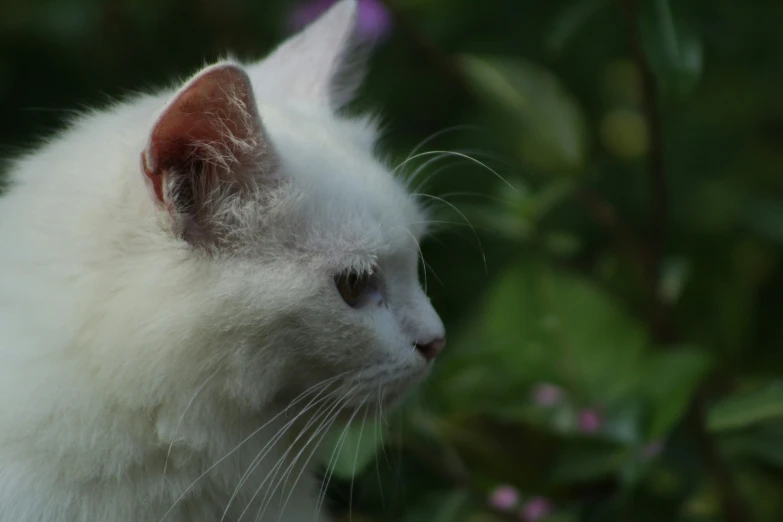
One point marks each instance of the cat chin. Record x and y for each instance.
(394, 399)
(388, 403)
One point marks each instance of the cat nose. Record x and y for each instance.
(432, 348)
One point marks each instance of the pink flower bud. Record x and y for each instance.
(653, 449)
(504, 498)
(589, 420)
(546, 395)
(537, 508)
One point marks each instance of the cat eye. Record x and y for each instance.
(351, 286)
(357, 288)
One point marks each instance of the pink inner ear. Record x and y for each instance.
(213, 120)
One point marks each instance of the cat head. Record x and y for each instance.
(305, 246)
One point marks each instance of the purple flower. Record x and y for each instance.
(504, 498)
(374, 19)
(589, 420)
(535, 509)
(546, 395)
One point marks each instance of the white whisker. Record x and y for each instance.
(182, 417)
(302, 395)
(378, 434)
(268, 447)
(420, 168)
(426, 181)
(458, 154)
(325, 427)
(440, 133)
(333, 459)
(458, 211)
(355, 461)
(324, 411)
(477, 195)
(421, 255)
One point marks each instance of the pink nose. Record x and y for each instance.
(431, 349)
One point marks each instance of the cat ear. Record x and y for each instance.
(207, 141)
(323, 64)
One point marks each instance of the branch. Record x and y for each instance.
(661, 325)
(648, 256)
(660, 319)
(731, 502)
(605, 215)
(451, 467)
(602, 212)
(442, 61)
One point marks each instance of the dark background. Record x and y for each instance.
(614, 306)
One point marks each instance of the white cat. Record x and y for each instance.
(194, 285)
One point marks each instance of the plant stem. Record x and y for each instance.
(661, 325)
(605, 215)
(660, 318)
(650, 255)
(452, 468)
(443, 62)
(731, 502)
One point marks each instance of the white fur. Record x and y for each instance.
(119, 340)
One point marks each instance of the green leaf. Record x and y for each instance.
(351, 449)
(542, 324)
(568, 21)
(761, 443)
(580, 462)
(562, 244)
(747, 408)
(520, 216)
(673, 378)
(551, 195)
(446, 507)
(765, 217)
(551, 126)
(674, 274)
(761, 492)
(673, 49)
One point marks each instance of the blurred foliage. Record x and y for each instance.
(614, 355)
